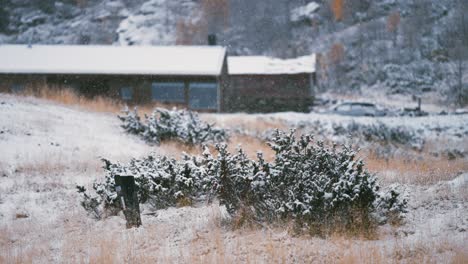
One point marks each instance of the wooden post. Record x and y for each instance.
(125, 187)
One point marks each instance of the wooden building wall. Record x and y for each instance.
(105, 85)
(269, 93)
(238, 93)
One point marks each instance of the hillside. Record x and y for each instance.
(414, 48)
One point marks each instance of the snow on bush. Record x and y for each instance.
(310, 183)
(160, 181)
(307, 182)
(381, 133)
(163, 124)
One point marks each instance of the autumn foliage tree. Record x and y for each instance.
(393, 22)
(81, 3)
(337, 7)
(185, 32)
(335, 58)
(336, 53)
(213, 18)
(215, 14)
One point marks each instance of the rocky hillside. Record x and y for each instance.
(410, 47)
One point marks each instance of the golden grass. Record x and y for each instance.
(460, 257)
(243, 121)
(424, 169)
(87, 241)
(67, 96)
(54, 162)
(251, 146)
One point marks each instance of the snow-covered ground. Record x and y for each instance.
(47, 148)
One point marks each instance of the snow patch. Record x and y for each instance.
(304, 12)
(459, 182)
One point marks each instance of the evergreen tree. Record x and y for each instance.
(4, 16)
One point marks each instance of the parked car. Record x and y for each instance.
(358, 109)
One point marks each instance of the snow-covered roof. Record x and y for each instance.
(125, 60)
(261, 65)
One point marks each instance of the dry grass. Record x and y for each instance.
(46, 167)
(248, 122)
(67, 96)
(175, 149)
(159, 241)
(460, 257)
(251, 146)
(422, 169)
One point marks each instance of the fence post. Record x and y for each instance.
(125, 187)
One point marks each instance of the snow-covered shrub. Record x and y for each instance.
(381, 133)
(314, 185)
(160, 181)
(131, 122)
(180, 125)
(391, 205)
(238, 181)
(92, 204)
(320, 184)
(310, 183)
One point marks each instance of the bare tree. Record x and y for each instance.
(415, 25)
(393, 23)
(336, 56)
(360, 41)
(457, 44)
(215, 14)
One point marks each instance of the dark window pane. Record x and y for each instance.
(203, 96)
(126, 93)
(17, 88)
(168, 91)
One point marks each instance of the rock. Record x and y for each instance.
(21, 215)
(304, 13)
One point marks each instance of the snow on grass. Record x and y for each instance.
(39, 133)
(41, 220)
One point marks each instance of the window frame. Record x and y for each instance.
(123, 94)
(17, 88)
(168, 100)
(215, 88)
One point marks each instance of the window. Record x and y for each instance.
(168, 91)
(343, 107)
(203, 96)
(126, 93)
(17, 88)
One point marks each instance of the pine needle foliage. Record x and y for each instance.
(179, 125)
(318, 187)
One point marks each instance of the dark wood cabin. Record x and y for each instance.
(189, 77)
(262, 84)
(195, 77)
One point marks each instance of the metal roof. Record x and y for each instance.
(121, 60)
